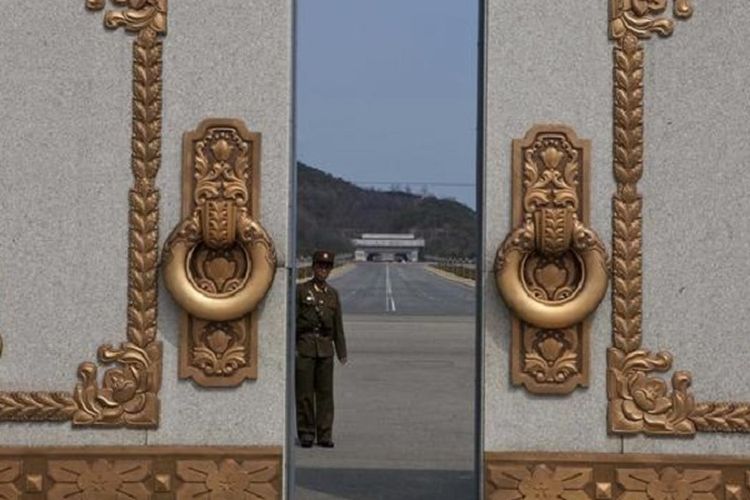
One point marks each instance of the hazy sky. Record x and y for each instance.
(386, 92)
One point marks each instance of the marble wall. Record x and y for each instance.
(553, 64)
(65, 91)
(65, 137)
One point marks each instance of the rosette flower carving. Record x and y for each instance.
(669, 484)
(10, 470)
(538, 483)
(228, 480)
(639, 402)
(100, 480)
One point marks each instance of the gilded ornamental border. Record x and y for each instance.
(639, 401)
(141, 472)
(583, 476)
(127, 395)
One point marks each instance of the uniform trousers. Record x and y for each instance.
(314, 394)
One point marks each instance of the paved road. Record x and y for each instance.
(401, 289)
(404, 425)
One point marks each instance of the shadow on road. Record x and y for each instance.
(386, 484)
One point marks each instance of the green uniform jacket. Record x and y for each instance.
(319, 324)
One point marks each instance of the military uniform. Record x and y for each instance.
(319, 330)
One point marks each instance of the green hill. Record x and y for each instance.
(331, 211)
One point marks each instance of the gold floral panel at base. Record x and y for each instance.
(581, 476)
(139, 473)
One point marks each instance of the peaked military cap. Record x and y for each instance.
(323, 256)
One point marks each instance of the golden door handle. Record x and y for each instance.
(548, 235)
(552, 269)
(238, 298)
(219, 262)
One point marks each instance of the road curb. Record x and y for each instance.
(451, 277)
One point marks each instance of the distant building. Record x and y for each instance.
(387, 247)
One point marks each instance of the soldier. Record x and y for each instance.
(319, 330)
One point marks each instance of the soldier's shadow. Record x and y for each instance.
(384, 484)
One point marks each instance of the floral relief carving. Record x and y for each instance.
(620, 476)
(228, 480)
(668, 484)
(642, 403)
(639, 400)
(551, 356)
(99, 480)
(10, 471)
(561, 262)
(219, 348)
(141, 472)
(136, 16)
(128, 395)
(129, 391)
(219, 240)
(539, 482)
(640, 17)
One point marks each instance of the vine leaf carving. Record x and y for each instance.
(721, 416)
(36, 406)
(129, 391)
(638, 400)
(127, 394)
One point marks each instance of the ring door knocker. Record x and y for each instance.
(551, 270)
(219, 262)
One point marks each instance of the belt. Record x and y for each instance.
(315, 333)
